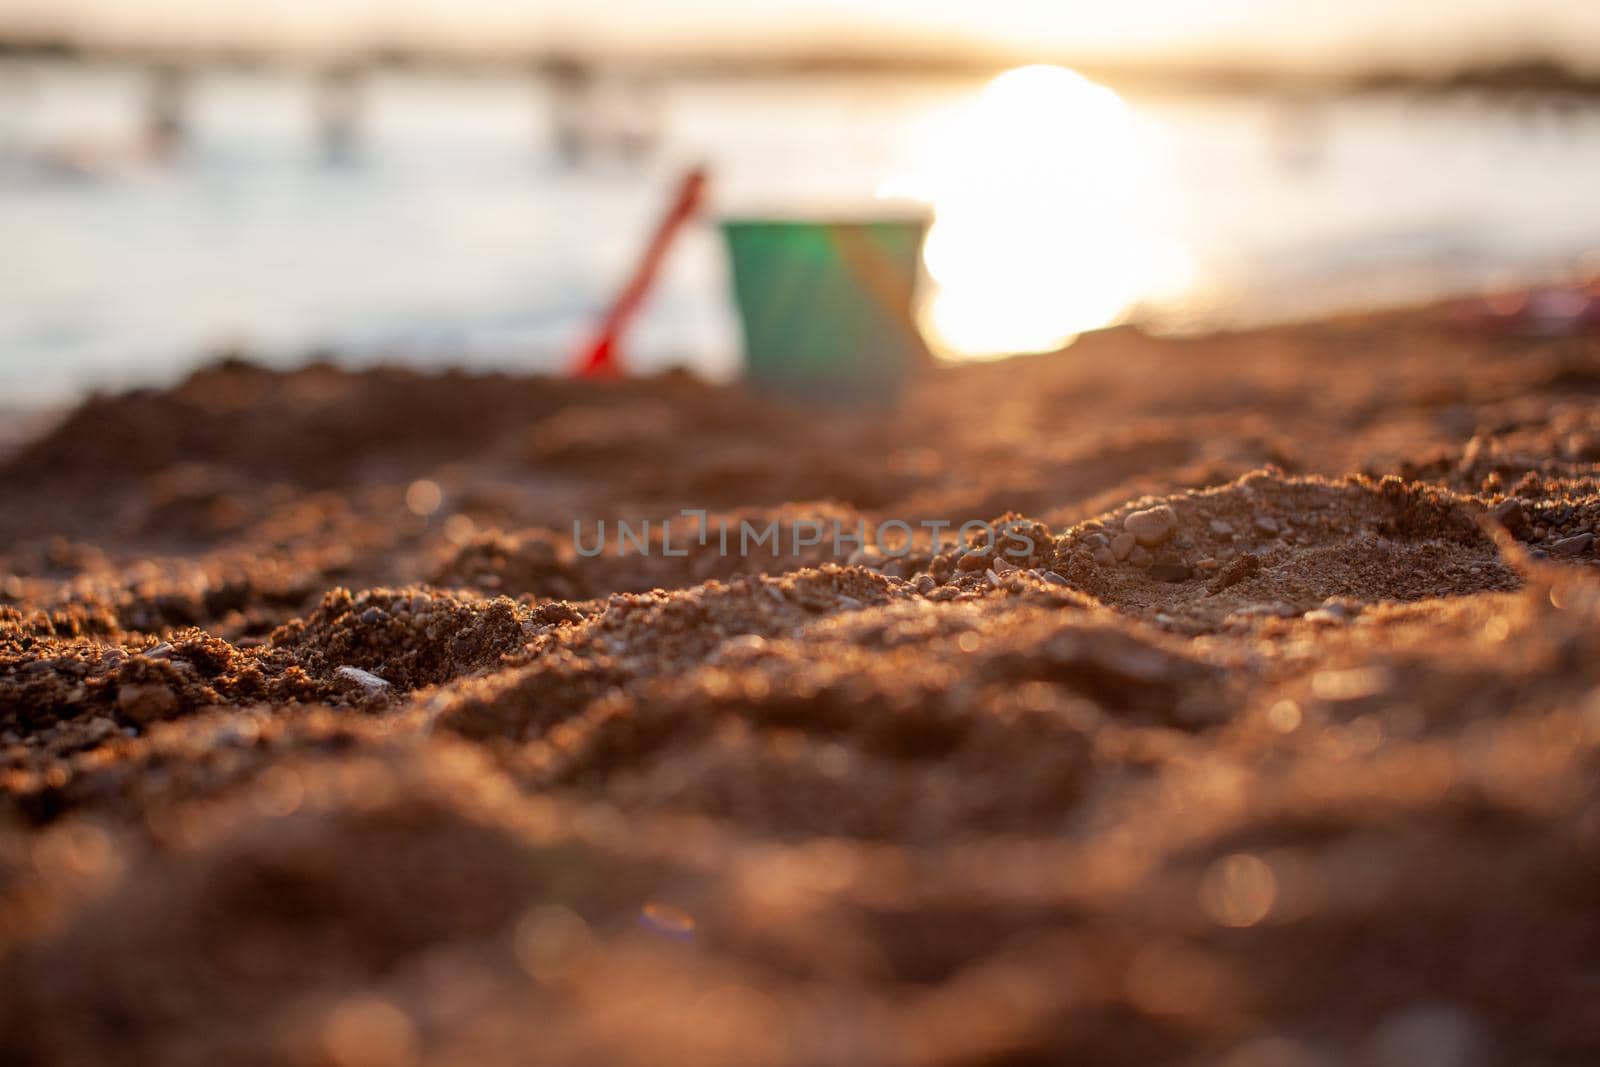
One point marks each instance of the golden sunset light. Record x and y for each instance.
(799, 533)
(1045, 216)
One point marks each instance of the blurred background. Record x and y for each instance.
(469, 182)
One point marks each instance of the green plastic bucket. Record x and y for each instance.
(827, 306)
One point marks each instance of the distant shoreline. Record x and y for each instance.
(1530, 74)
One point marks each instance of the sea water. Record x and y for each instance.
(452, 226)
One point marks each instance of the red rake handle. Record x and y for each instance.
(599, 358)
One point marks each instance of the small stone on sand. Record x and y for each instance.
(976, 560)
(365, 679)
(1509, 514)
(1151, 526)
(146, 703)
(1572, 546)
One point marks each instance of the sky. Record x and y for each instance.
(1337, 33)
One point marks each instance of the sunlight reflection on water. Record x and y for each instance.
(1046, 220)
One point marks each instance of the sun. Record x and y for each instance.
(1042, 223)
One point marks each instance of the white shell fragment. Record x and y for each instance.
(366, 679)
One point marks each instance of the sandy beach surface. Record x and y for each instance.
(1276, 745)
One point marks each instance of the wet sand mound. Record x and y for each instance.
(1271, 740)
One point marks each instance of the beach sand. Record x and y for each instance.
(321, 744)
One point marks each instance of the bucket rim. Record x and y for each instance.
(808, 222)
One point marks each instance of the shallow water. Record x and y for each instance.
(456, 231)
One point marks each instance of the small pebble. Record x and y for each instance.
(1105, 557)
(99, 728)
(1221, 528)
(744, 644)
(976, 560)
(1341, 608)
(1139, 557)
(1001, 567)
(1151, 526)
(1267, 525)
(365, 679)
(1572, 546)
(146, 703)
(1122, 545)
(1268, 609)
(1509, 513)
(1055, 579)
(926, 584)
